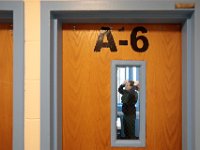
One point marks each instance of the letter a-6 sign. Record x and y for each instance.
(106, 32)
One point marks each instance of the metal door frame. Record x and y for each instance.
(13, 12)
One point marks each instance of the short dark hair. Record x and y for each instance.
(131, 82)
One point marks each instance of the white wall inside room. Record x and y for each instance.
(32, 75)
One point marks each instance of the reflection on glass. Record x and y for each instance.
(128, 118)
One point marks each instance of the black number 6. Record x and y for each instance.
(135, 38)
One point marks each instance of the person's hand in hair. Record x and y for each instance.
(137, 85)
(125, 81)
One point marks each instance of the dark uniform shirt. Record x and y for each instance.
(128, 99)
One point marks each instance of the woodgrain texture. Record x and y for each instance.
(86, 86)
(6, 86)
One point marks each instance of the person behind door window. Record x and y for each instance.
(129, 99)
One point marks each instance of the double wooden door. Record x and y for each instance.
(87, 85)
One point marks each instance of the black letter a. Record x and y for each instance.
(111, 43)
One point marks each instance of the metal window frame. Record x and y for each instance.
(141, 142)
(13, 12)
(54, 13)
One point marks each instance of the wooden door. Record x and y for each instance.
(87, 84)
(6, 86)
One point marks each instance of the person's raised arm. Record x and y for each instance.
(120, 89)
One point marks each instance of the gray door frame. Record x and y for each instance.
(54, 13)
(13, 12)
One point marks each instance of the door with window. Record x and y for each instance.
(86, 86)
(6, 86)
